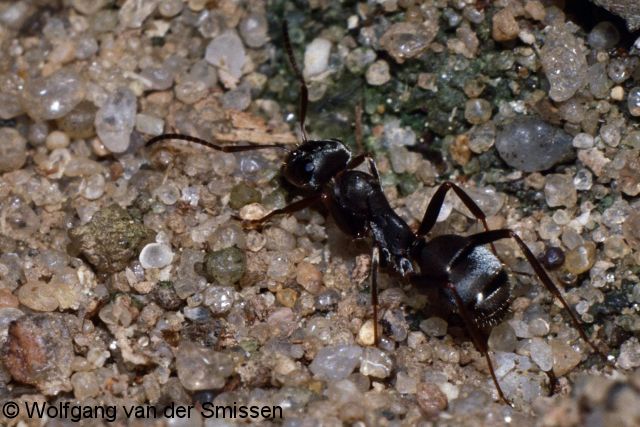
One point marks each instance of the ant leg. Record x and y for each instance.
(479, 341)
(304, 92)
(223, 148)
(493, 235)
(293, 207)
(433, 210)
(375, 262)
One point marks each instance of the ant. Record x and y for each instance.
(469, 276)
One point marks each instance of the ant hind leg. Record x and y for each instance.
(488, 237)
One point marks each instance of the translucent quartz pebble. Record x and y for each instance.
(559, 190)
(253, 29)
(133, 12)
(156, 255)
(115, 120)
(375, 363)
(85, 385)
(219, 298)
(201, 368)
(564, 61)
(541, 354)
(633, 101)
(530, 144)
(52, 97)
(227, 53)
(629, 354)
(13, 150)
(405, 40)
(336, 363)
(10, 106)
(157, 78)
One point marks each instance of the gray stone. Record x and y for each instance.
(529, 144)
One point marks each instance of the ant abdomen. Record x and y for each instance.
(476, 273)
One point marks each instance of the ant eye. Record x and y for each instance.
(309, 167)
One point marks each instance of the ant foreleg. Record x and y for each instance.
(493, 235)
(433, 210)
(223, 148)
(252, 224)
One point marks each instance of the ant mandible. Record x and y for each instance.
(469, 277)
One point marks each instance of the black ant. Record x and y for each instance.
(469, 277)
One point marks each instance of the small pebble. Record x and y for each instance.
(431, 399)
(553, 258)
(505, 27)
(316, 57)
(309, 277)
(603, 36)
(404, 40)
(57, 139)
(581, 258)
(226, 266)
(565, 358)
(583, 140)
(633, 101)
(560, 191)
(530, 144)
(336, 362)
(375, 363)
(13, 150)
(52, 97)
(502, 338)
(378, 73)
(477, 111)
(541, 354)
(219, 299)
(149, 124)
(156, 255)
(201, 368)
(434, 327)
(115, 120)
(287, 297)
(227, 53)
(366, 335)
(564, 62)
(254, 30)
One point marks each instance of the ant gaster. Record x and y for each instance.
(468, 275)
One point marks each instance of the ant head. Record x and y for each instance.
(314, 163)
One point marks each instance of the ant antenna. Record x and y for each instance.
(223, 148)
(304, 92)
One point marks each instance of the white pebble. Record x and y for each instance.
(156, 255)
(583, 140)
(316, 57)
